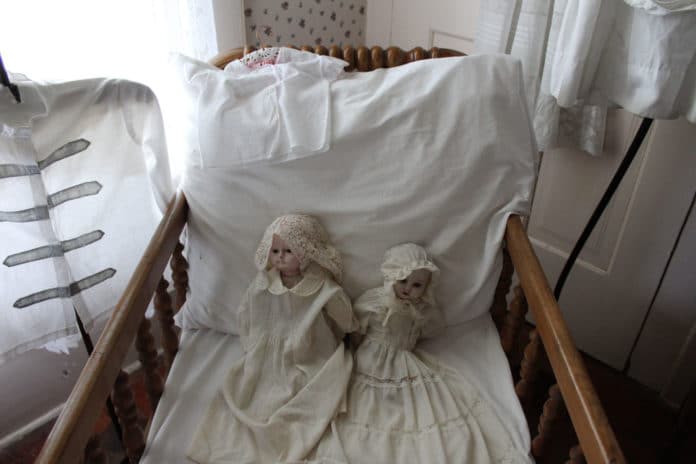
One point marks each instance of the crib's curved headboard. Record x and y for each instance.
(358, 59)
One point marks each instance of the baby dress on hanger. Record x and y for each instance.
(404, 406)
(279, 398)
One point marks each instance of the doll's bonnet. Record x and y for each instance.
(401, 260)
(308, 240)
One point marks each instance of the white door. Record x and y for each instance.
(610, 290)
(612, 286)
(415, 23)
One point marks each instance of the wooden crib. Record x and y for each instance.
(549, 352)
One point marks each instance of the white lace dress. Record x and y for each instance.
(280, 397)
(403, 406)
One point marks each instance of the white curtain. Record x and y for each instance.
(582, 56)
(70, 40)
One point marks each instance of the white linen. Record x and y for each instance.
(252, 111)
(204, 357)
(83, 179)
(437, 152)
(585, 56)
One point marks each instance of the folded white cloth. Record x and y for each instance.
(273, 107)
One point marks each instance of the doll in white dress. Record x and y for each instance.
(403, 406)
(291, 382)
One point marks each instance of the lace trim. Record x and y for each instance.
(261, 58)
(379, 382)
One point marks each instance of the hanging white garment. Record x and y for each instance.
(647, 64)
(83, 178)
(586, 56)
(529, 30)
(663, 7)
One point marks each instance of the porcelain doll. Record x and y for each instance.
(403, 406)
(279, 398)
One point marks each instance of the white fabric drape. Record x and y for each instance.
(582, 57)
(83, 177)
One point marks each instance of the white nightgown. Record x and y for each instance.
(277, 401)
(405, 407)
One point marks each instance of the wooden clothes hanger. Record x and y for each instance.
(5, 81)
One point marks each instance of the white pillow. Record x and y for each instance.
(437, 152)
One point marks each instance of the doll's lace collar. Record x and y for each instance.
(311, 283)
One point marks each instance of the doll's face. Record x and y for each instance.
(412, 287)
(283, 259)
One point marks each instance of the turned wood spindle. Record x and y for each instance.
(127, 412)
(94, 454)
(499, 306)
(377, 57)
(513, 320)
(147, 353)
(529, 368)
(552, 412)
(363, 59)
(395, 57)
(179, 267)
(416, 54)
(335, 51)
(321, 50)
(165, 315)
(576, 456)
(349, 57)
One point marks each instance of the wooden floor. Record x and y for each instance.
(643, 424)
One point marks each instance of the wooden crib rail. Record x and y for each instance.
(358, 59)
(73, 429)
(596, 437)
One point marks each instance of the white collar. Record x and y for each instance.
(312, 280)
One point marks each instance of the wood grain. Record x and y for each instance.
(589, 420)
(360, 59)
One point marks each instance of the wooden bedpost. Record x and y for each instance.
(127, 412)
(553, 410)
(147, 353)
(514, 318)
(529, 368)
(165, 315)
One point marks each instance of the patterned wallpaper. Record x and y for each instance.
(305, 22)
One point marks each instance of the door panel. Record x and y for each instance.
(611, 287)
(415, 23)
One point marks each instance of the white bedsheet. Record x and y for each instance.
(205, 356)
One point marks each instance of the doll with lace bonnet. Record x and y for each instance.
(277, 400)
(403, 405)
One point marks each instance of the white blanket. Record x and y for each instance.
(204, 358)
